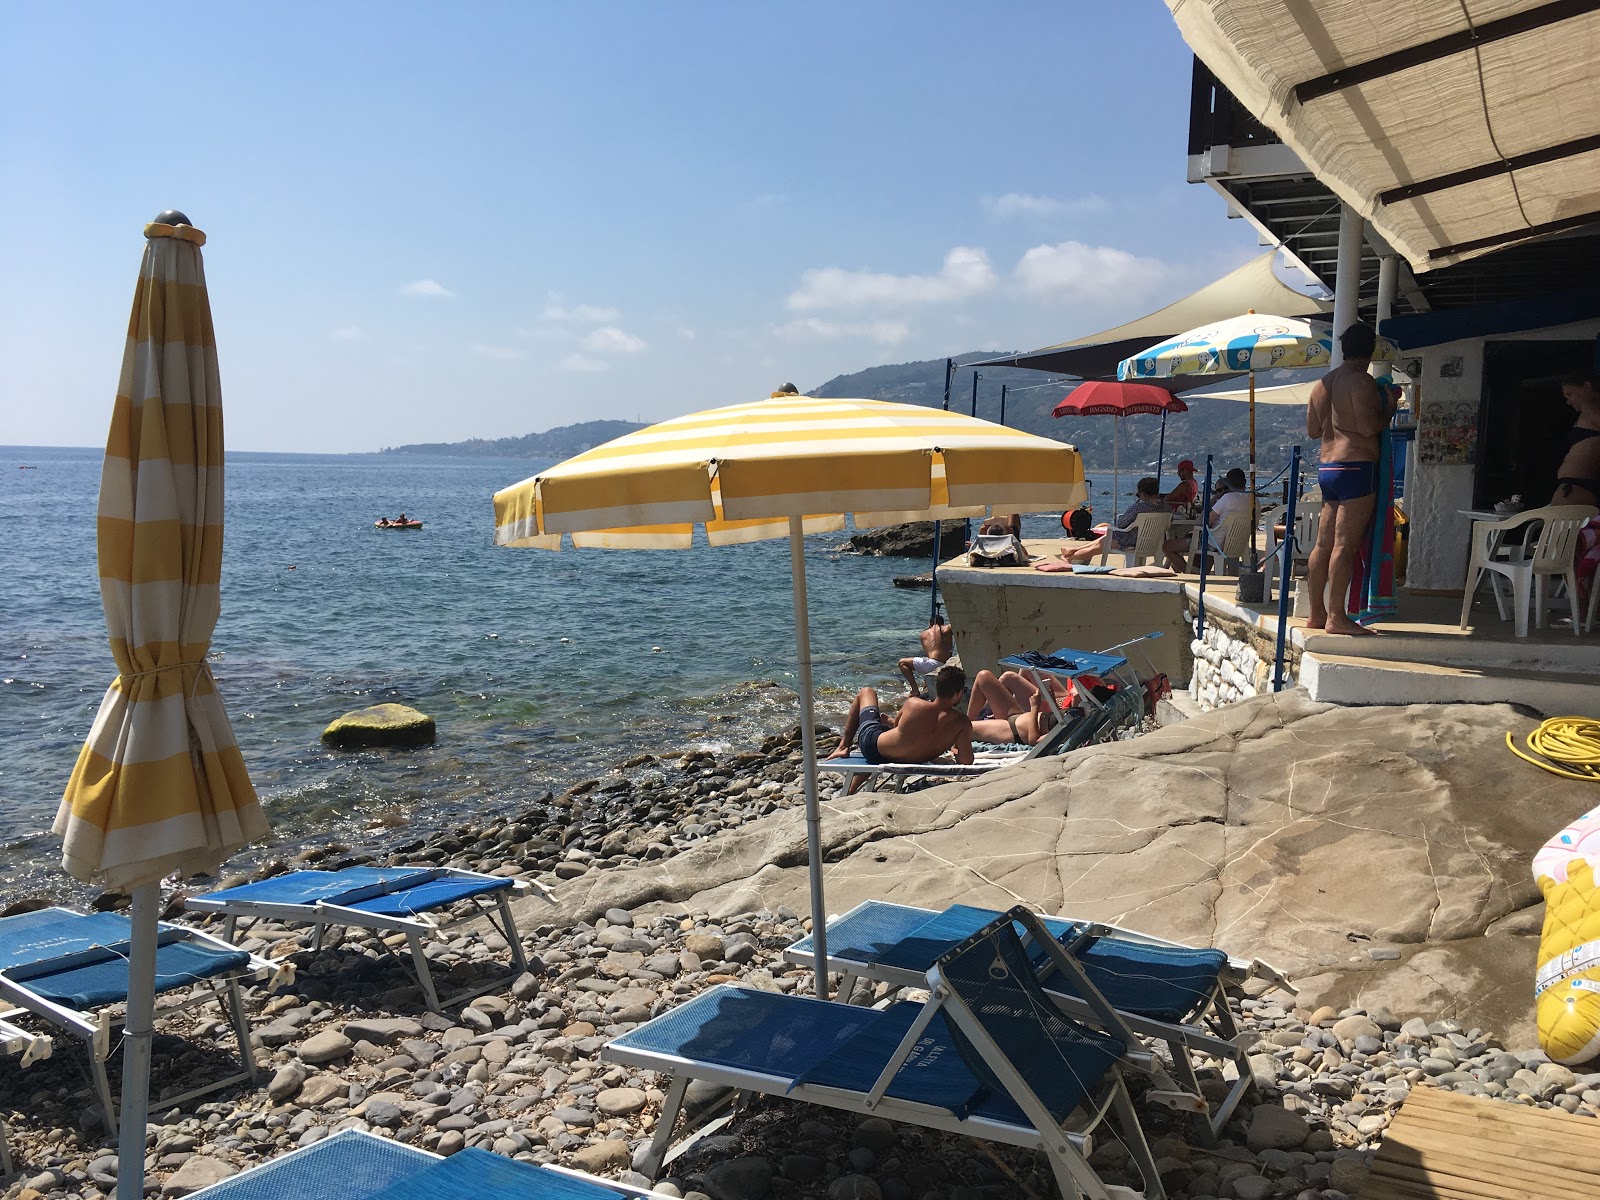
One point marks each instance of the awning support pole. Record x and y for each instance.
(1286, 569)
(1347, 279)
(1205, 557)
(808, 753)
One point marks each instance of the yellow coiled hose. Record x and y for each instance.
(1568, 746)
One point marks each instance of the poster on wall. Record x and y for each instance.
(1447, 430)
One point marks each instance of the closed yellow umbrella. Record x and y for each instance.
(788, 465)
(159, 785)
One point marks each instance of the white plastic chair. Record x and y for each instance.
(1554, 554)
(1229, 542)
(1148, 543)
(1307, 519)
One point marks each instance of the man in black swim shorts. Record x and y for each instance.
(923, 729)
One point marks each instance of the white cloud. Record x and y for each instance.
(815, 329)
(426, 287)
(1023, 204)
(578, 362)
(608, 339)
(501, 352)
(966, 272)
(586, 314)
(686, 333)
(1081, 271)
(350, 333)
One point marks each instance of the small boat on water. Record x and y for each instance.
(385, 524)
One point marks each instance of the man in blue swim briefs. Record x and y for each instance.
(1348, 412)
(923, 730)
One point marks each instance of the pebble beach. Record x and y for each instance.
(349, 1044)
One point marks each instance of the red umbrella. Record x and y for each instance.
(1110, 398)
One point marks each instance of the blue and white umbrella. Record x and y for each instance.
(1253, 342)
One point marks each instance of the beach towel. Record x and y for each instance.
(1371, 595)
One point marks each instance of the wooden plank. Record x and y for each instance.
(1445, 1146)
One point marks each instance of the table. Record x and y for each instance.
(1496, 581)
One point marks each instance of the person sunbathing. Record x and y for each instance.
(1009, 710)
(938, 644)
(919, 733)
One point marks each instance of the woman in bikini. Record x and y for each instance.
(1578, 479)
(1009, 710)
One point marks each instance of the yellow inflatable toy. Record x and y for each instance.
(1567, 987)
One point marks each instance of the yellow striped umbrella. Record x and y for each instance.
(159, 785)
(788, 465)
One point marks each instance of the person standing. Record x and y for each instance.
(1578, 479)
(1347, 412)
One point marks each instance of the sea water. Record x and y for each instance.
(540, 668)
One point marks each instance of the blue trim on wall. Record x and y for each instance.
(1485, 320)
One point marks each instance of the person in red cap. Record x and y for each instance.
(1187, 491)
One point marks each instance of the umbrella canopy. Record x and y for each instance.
(1099, 398)
(1253, 342)
(790, 464)
(159, 785)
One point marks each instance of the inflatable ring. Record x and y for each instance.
(1567, 987)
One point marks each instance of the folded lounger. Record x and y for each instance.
(32, 1047)
(1164, 990)
(987, 1055)
(362, 1166)
(71, 969)
(393, 899)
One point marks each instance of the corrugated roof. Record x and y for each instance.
(1456, 128)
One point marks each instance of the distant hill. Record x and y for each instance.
(561, 442)
(1218, 427)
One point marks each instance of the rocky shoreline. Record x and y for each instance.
(349, 1045)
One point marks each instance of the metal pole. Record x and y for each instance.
(1205, 556)
(1347, 277)
(975, 377)
(1252, 470)
(136, 1042)
(1004, 387)
(949, 374)
(933, 574)
(1286, 569)
(1161, 453)
(808, 755)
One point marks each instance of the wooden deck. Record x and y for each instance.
(1446, 1146)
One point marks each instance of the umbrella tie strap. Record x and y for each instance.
(198, 663)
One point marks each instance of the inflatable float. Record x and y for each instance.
(397, 524)
(1567, 987)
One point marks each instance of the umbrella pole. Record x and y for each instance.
(136, 1042)
(1161, 452)
(1252, 470)
(808, 753)
(1116, 467)
(933, 573)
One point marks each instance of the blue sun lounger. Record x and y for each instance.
(1165, 991)
(354, 1165)
(988, 1055)
(388, 899)
(71, 968)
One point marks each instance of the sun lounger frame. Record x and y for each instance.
(1218, 1038)
(327, 1189)
(95, 1026)
(32, 1047)
(1067, 1149)
(322, 915)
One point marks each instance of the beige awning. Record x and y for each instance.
(1455, 128)
(1254, 287)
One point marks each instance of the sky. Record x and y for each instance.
(433, 222)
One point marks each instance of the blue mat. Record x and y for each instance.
(178, 964)
(308, 887)
(867, 932)
(346, 1166)
(55, 933)
(1084, 662)
(424, 897)
(475, 1174)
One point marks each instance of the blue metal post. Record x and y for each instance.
(975, 377)
(1286, 569)
(938, 526)
(1003, 389)
(1205, 556)
(949, 374)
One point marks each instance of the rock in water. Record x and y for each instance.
(380, 725)
(911, 541)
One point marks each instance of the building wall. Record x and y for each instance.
(1437, 492)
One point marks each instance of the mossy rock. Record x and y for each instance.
(380, 725)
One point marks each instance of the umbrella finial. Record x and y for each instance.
(787, 389)
(172, 217)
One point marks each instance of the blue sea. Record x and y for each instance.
(540, 668)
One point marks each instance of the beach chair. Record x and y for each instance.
(31, 1048)
(387, 899)
(355, 1165)
(987, 1055)
(71, 969)
(1227, 545)
(1123, 709)
(1149, 541)
(1553, 556)
(1165, 991)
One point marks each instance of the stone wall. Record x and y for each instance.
(1233, 659)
